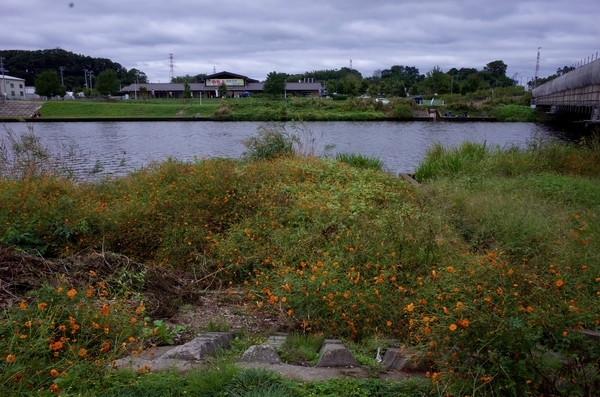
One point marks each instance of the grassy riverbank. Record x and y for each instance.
(489, 269)
(258, 109)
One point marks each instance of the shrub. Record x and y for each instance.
(360, 161)
(402, 111)
(269, 144)
(516, 113)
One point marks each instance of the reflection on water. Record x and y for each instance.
(117, 148)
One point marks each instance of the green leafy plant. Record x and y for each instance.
(162, 331)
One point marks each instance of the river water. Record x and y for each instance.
(117, 148)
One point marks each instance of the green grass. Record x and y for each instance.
(231, 109)
(131, 108)
(486, 267)
(301, 348)
(360, 161)
(506, 106)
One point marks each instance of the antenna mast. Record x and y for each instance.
(537, 68)
(351, 64)
(171, 72)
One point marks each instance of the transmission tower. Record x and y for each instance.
(537, 68)
(171, 71)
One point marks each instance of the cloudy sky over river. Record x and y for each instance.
(255, 37)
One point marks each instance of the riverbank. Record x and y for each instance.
(245, 109)
(494, 254)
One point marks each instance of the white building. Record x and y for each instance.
(12, 87)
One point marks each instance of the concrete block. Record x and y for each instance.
(396, 359)
(261, 354)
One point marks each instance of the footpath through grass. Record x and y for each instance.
(490, 269)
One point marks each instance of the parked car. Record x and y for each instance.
(382, 101)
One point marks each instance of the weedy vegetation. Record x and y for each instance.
(489, 269)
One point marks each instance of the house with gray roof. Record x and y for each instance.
(209, 87)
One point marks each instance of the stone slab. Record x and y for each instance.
(396, 359)
(277, 341)
(333, 353)
(261, 354)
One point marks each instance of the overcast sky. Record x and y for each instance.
(255, 37)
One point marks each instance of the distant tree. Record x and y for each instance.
(134, 76)
(48, 84)
(274, 84)
(222, 90)
(143, 92)
(187, 92)
(107, 82)
(496, 68)
(564, 70)
(188, 79)
(495, 74)
(436, 82)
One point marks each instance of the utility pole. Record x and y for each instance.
(537, 68)
(3, 90)
(61, 68)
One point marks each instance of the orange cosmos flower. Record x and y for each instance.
(54, 373)
(22, 305)
(11, 358)
(71, 293)
(463, 323)
(42, 306)
(81, 352)
(452, 327)
(105, 310)
(559, 283)
(105, 347)
(54, 346)
(54, 388)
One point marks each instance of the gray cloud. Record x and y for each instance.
(257, 37)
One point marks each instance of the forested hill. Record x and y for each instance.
(28, 64)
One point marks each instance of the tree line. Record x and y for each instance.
(399, 81)
(62, 71)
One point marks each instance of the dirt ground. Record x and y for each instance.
(172, 296)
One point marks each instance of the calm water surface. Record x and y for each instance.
(120, 147)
